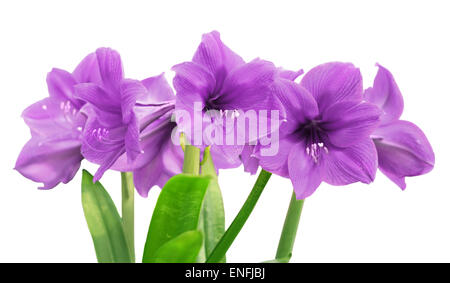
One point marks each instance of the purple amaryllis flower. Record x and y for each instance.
(326, 134)
(112, 126)
(217, 79)
(160, 158)
(53, 153)
(403, 149)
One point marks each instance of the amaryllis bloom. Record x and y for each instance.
(326, 136)
(403, 149)
(112, 127)
(53, 153)
(217, 79)
(161, 158)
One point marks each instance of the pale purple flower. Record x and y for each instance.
(112, 127)
(326, 136)
(221, 81)
(403, 149)
(53, 153)
(161, 158)
(119, 112)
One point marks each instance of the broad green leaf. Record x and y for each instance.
(213, 214)
(104, 222)
(182, 249)
(177, 211)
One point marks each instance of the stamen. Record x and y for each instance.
(100, 133)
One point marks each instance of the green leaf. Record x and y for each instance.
(213, 214)
(177, 211)
(104, 222)
(278, 260)
(182, 249)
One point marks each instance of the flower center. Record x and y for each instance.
(315, 139)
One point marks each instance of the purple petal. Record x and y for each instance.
(289, 75)
(305, 174)
(172, 158)
(132, 145)
(403, 151)
(277, 164)
(216, 57)
(357, 163)
(349, 122)
(99, 97)
(251, 163)
(61, 86)
(147, 176)
(53, 118)
(102, 144)
(88, 70)
(159, 90)
(193, 83)
(298, 102)
(130, 90)
(386, 95)
(110, 66)
(223, 157)
(153, 137)
(248, 87)
(332, 82)
(49, 161)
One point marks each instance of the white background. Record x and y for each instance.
(356, 223)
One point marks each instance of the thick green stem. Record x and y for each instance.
(227, 239)
(290, 226)
(191, 163)
(128, 209)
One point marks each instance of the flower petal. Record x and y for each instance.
(386, 95)
(216, 57)
(289, 75)
(110, 66)
(49, 161)
(349, 122)
(278, 163)
(53, 118)
(130, 90)
(172, 157)
(251, 163)
(99, 97)
(357, 163)
(147, 176)
(403, 151)
(226, 156)
(61, 86)
(103, 144)
(305, 174)
(88, 70)
(132, 146)
(248, 87)
(332, 82)
(298, 102)
(159, 90)
(193, 83)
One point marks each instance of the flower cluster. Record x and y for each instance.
(328, 128)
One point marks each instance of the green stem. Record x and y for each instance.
(290, 226)
(191, 163)
(128, 209)
(227, 239)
